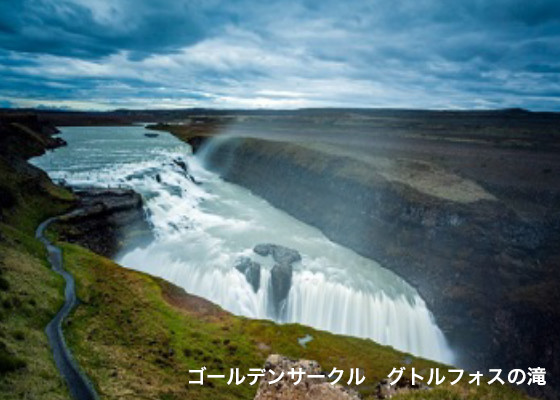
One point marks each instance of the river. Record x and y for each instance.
(203, 225)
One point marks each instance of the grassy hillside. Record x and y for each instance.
(30, 294)
(137, 336)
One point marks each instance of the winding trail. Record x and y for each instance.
(78, 383)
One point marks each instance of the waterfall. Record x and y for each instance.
(203, 226)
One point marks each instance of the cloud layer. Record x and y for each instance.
(107, 54)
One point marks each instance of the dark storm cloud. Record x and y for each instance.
(95, 29)
(290, 53)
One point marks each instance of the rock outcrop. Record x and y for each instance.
(280, 281)
(307, 389)
(26, 135)
(251, 270)
(181, 164)
(105, 221)
(280, 254)
(281, 274)
(23, 136)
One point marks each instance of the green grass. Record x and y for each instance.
(34, 197)
(30, 293)
(137, 336)
(27, 369)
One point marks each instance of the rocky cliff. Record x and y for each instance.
(488, 275)
(23, 186)
(106, 221)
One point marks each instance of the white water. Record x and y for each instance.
(201, 230)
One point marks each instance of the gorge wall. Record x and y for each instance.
(488, 275)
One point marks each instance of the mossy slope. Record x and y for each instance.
(137, 336)
(30, 294)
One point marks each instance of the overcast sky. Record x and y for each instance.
(104, 54)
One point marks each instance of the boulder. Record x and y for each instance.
(263, 249)
(280, 254)
(181, 164)
(251, 270)
(308, 388)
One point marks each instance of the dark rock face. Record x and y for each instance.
(23, 136)
(281, 281)
(252, 272)
(185, 168)
(281, 274)
(196, 142)
(181, 164)
(7, 198)
(106, 220)
(280, 254)
(26, 135)
(488, 275)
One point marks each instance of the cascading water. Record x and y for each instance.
(204, 226)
